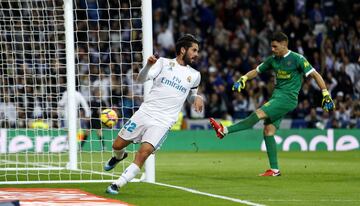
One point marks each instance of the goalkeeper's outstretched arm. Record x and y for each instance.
(319, 80)
(252, 74)
(240, 83)
(327, 102)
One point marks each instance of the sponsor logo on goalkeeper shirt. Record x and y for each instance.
(281, 74)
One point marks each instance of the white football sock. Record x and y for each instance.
(119, 153)
(275, 170)
(226, 130)
(129, 173)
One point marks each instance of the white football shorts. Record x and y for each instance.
(142, 128)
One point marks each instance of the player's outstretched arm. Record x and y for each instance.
(327, 103)
(141, 78)
(240, 83)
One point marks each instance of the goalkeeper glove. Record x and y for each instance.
(240, 84)
(327, 103)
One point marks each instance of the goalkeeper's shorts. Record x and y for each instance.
(276, 109)
(141, 128)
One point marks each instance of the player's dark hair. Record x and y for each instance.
(279, 37)
(185, 41)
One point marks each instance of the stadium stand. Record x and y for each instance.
(329, 38)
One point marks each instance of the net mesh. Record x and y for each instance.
(33, 99)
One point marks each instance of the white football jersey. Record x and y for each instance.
(172, 83)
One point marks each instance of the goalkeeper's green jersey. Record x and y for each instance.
(289, 71)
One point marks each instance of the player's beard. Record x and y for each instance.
(187, 60)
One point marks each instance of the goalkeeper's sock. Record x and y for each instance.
(129, 173)
(247, 123)
(271, 152)
(119, 154)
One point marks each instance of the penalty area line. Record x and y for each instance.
(210, 195)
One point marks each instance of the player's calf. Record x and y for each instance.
(113, 162)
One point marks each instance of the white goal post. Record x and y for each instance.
(52, 52)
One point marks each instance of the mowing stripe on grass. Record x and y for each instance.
(137, 180)
(210, 195)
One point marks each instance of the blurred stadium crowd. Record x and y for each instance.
(234, 39)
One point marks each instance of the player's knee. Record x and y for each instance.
(269, 130)
(145, 150)
(143, 155)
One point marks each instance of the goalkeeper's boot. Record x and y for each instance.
(112, 189)
(218, 127)
(113, 162)
(270, 173)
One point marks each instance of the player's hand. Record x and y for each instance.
(153, 58)
(327, 103)
(198, 104)
(240, 84)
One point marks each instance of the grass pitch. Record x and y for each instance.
(308, 178)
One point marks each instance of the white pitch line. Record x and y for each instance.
(157, 183)
(294, 200)
(210, 195)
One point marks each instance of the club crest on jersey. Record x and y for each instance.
(289, 63)
(188, 79)
(172, 64)
(306, 64)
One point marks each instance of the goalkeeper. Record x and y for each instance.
(289, 68)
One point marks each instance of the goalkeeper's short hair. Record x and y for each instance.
(185, 41)
(279, 37)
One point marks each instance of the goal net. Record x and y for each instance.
(34, 84)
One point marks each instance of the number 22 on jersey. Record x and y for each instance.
(130, 126)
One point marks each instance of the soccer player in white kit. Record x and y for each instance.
(174, 81)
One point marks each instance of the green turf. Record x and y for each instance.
(309, 178)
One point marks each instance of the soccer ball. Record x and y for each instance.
(108, 117)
